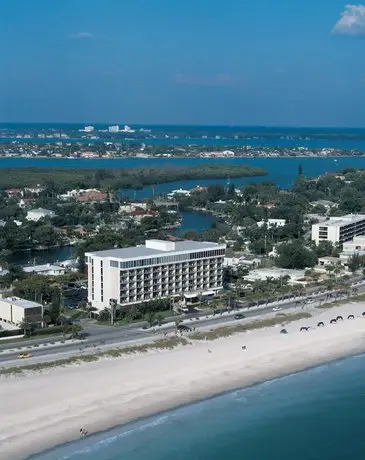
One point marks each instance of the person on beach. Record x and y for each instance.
(83, 432)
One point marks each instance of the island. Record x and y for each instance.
(114, 179)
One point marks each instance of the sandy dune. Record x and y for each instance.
(42, 410)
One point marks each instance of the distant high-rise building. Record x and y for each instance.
(128, 129)
(113, 129)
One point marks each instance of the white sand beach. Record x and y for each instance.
(42, 410)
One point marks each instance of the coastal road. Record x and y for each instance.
(131, 335)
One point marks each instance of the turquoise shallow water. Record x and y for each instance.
(313, 415)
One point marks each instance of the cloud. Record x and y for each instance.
(352, 21)
(80, 35)
(206, 80)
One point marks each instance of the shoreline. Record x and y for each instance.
(180, 157)
(105, 433)
(137, 387)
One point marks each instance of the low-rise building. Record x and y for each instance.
(14, 192)
(235, 262)
(339, 229)
(34, 190)
(328, 261)
(92, 196)
(46, 269)
(129, 207)
(325, 203)
(40, 213)
(272, 223)
(178, 192)
(354, 246)
(14, 310)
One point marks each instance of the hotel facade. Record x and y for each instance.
(339, 229)
(158, 269)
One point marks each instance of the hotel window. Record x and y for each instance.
(114, 263)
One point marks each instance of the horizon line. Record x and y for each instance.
(269, 126)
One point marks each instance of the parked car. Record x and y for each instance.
(276, 309)
(239, 316)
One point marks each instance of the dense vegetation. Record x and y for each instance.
(58, 180)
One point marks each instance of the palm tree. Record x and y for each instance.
(151, 317)
(338, 268)
(229, 297)
(329, 269)
(28, 327)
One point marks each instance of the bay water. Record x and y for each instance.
(317, 414)
(282, 171)
(191, 220)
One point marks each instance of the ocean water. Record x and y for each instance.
(318, 414)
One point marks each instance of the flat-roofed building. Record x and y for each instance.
(270, 223)
(339, 229)
(14, 310)
(36, 214)
(158, 269)
(354, 246)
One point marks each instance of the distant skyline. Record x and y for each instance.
(282, 63)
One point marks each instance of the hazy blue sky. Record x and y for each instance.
(264, 62)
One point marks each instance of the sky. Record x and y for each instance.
(225, 62)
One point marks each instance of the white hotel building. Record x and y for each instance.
(158, 269)
(339, 229)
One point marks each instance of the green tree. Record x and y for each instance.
(134, 313)
(295, 255)
(46, 235)
(151, 318)
(261, 246)
(104, 315)
(325, 248)
(231, 192)
(28, 327)
(55, 307)
(354, 262)
(190, 235)
(212, 234)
